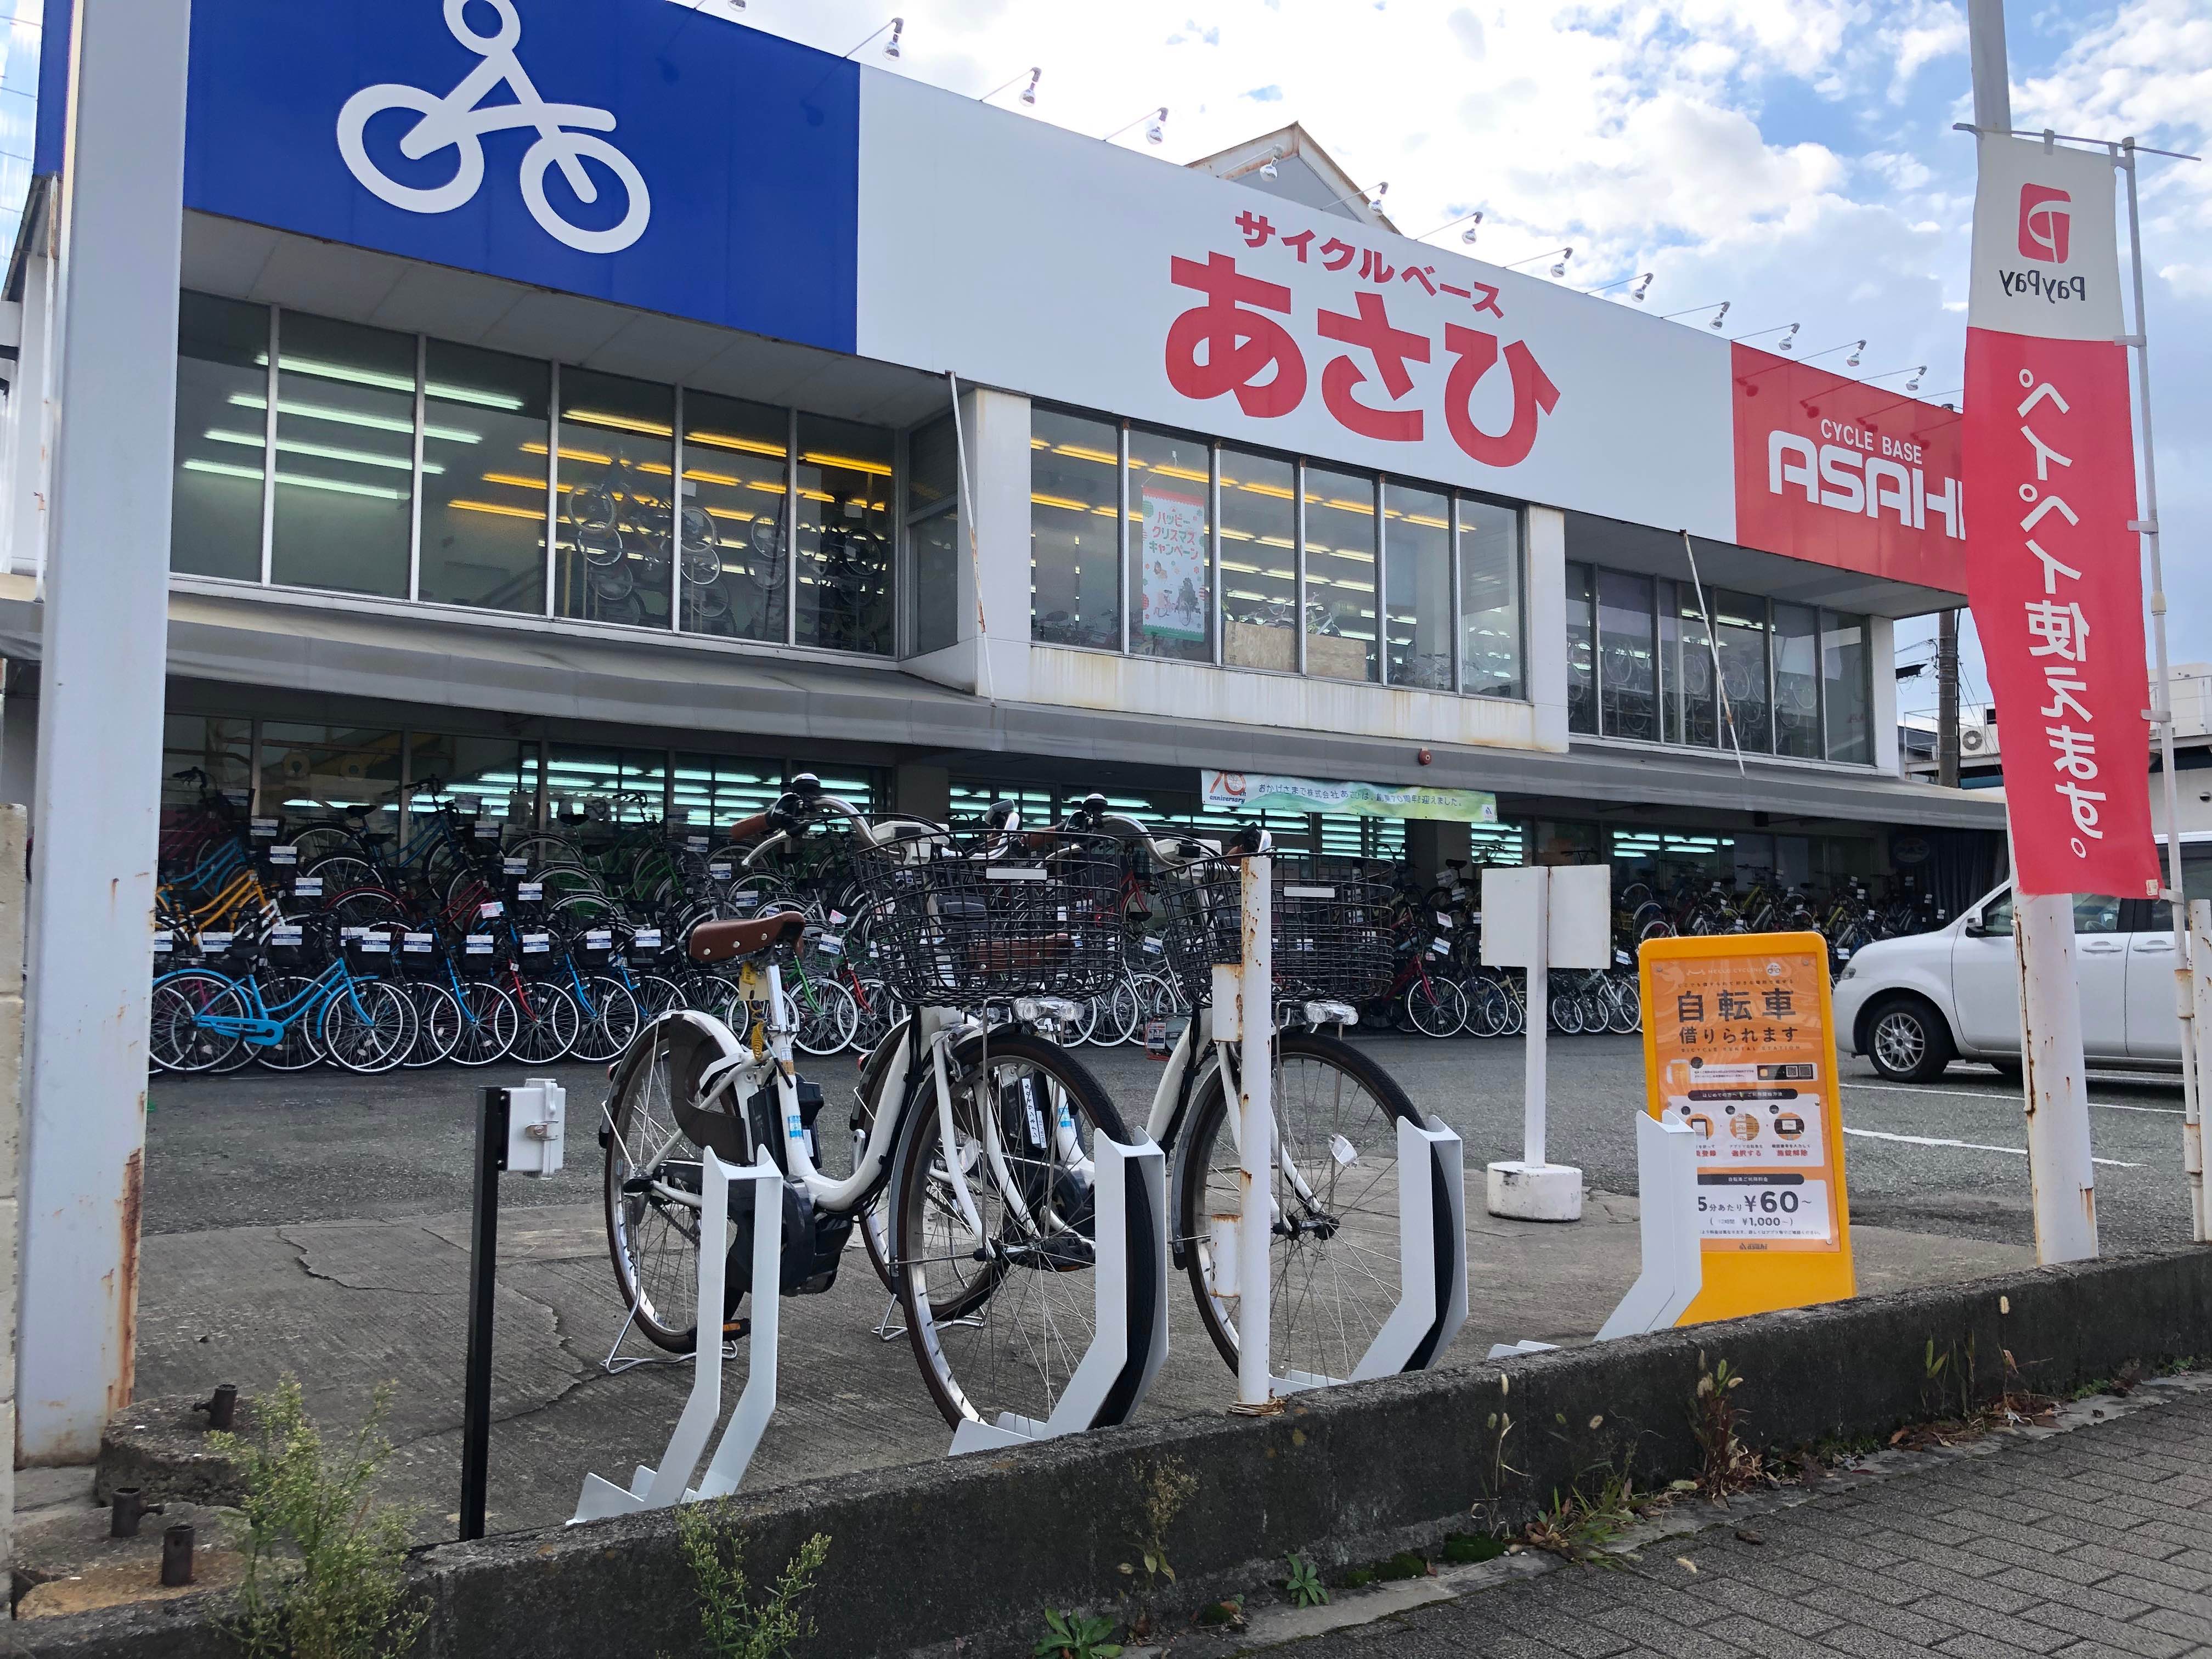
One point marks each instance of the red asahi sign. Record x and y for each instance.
(2052, 567)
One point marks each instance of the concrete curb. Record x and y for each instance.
(973, 1548)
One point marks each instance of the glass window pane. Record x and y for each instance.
(1843, 665)
(221, 748)
(483, 478)
(494, 777)
(1742, 621)
(1074, 508)
(1797, 681)
(222, 404)
(589, 788)
(617, 459)
(1692, 665)
(735, 575)
(1416, 585)
(1629, 694)
(1341, 629)
(1997, 915)
(1581, 645)
(1259, 560)
(844, 591)
(933, 488)
(345, 456)
(309, 772)
(1490, 598)
(2096, 913)
(712, 791)
(1170, 547)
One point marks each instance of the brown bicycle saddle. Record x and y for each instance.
(726, 941)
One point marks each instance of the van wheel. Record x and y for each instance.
(1908, 1041)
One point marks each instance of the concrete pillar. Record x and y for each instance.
(99, 723)
(1430, 844)
(925, 792)
(1882, 706)
(994, 435)
(1547, 625)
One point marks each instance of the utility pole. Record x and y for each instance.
(1946, 700)
(2061, 1174)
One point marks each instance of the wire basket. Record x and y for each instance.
(972, 917)
(1332, 927)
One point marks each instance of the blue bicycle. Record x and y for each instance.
(207, 1021)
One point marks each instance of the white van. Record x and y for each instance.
(1912, 1005)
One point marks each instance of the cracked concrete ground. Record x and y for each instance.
(320, 1225)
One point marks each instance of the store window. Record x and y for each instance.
(1843, 665)
(493, 777)
(1075, 547)
(1489, 598)
(1741, 620)
(709, 792)
(589, 789)
(611, 555)
(345, 457)
(483, 478)
(844, 579)
(219, 750)
(933, 505)
(1170, 546)
(1797, 681)
(222, 406)
(311, 771)
(1340, 569)
(1259, 560)
(737, 574)
(1689, 712)
(1581, 652)
(1628, 682)
(1416, 585)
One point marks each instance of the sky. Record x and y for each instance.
(1794, 157)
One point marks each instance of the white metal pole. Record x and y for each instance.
(99, 723)
(1533, 1082)
(2161, 715)
(2061, 1178)
(1255, 1134)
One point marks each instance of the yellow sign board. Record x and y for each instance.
(1739, 1044)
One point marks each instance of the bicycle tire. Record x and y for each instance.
(547, 1021)
(975, 1371)
(609, 1020)
(438, 1021)
(176, 1040)
(367, 1027)
(489, 1023)
(1306, 1335)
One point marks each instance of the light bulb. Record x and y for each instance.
(1267, 170)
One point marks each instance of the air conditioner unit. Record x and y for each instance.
(1971, 741)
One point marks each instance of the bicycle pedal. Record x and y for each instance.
(735, 1330)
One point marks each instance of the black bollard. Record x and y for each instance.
(223, 1410)
(126, 1508)
(177, 1555)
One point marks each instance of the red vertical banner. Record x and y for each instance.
(2053, 570)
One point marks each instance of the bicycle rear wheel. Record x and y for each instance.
(1333, 1268)
(1000, 1314)
(1434, 1007)
(1489, 1009)
(367, 1026)
(828, 1016)
(609, 1019)
(176, 1039)
(547, 1022)
(489, 1023)
(438, 1023)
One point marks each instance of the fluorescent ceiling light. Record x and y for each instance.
(223, 470)
(352, 417)
(324, 452)
(287, 364)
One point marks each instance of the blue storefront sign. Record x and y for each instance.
(633, 150)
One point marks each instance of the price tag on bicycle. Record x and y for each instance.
(1443, 919)
(744, 901)
(529, 892)
(487, 832)
(285, 933)
(476, 945)
(216, 941)
(515, 866)
(375, 943)
(830, 945)
(265, 828)
(164, 942)
(599, 939)
(647, 939)
(283, 855)
(695, 843)
(490, 909)
(307, 886)
(347, 934)
(719, 871)
(1151, 946)
(537, 943)
(416, 944)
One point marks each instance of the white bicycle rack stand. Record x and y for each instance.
(1431, 1190)
(670, 1482)
(1130, 1272)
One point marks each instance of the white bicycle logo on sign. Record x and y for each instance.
(459, 121)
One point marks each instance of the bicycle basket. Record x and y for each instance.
(369, 951)
(970, 917)
(1332, 927)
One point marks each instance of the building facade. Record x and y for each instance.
(556, 426)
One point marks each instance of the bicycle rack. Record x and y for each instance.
(1130, 1273)
(1432, 1262)
(1673, 1249)
(670, 1481)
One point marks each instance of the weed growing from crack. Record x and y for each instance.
(323, 1560)
(733, 1626)
(1580, 1525)
(1304, 1585)
(1727, 1465)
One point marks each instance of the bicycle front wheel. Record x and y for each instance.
(437, 1024)
(609, 1019)
(488, 1023)
(177, 1040)
(547, 1023)
(999, 1302)
(1332, 1266)
(367, 1026)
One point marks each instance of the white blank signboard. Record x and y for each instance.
(1513, 901)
